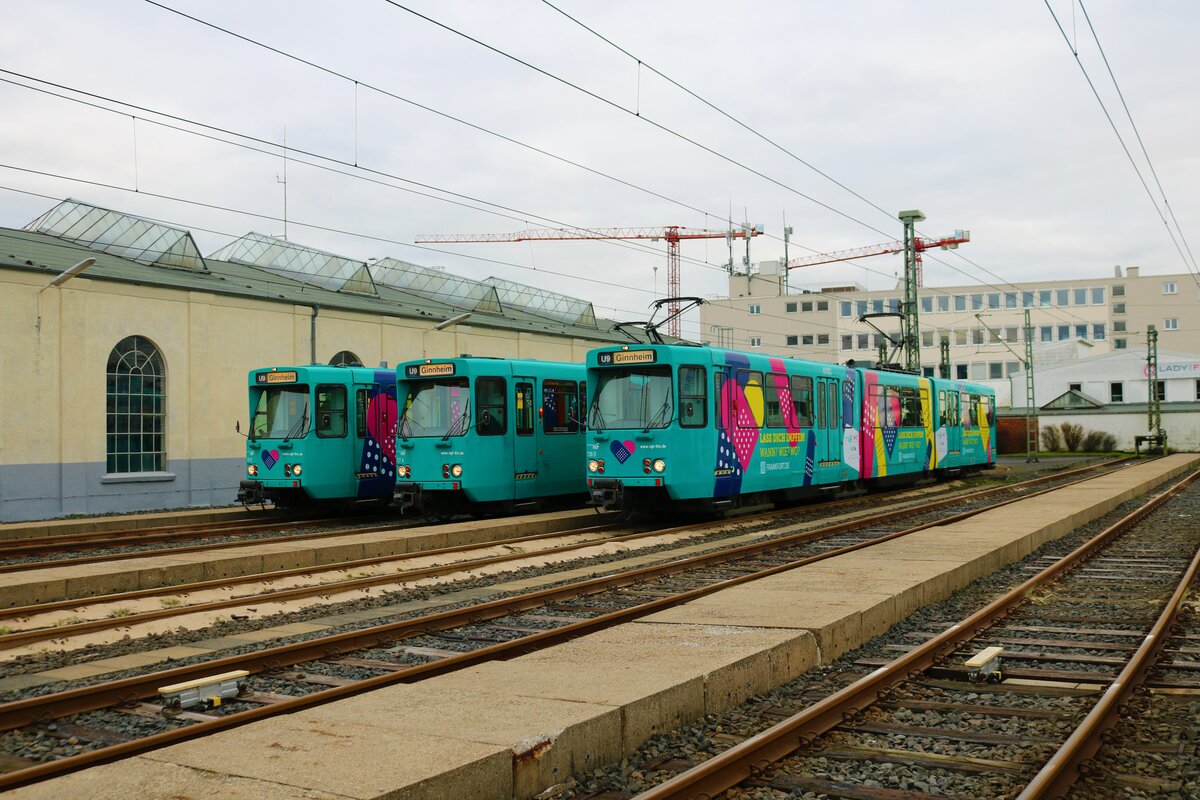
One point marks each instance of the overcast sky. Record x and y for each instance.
(974, 112)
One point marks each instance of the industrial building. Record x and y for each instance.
(984, 324)
(124, 378)
(1089, 335)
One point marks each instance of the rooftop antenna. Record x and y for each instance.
(284, 182)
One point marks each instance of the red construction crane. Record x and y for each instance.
(673, 234)
(923, 243)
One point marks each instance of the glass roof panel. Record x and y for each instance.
(301, 263)
(123, 235)
(435, 284)
(543, 303)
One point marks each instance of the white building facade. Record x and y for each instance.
(984, 324)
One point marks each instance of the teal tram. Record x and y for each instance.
(489, 434)
(686, 425)
(321, 435)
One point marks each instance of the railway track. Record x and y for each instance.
(18, 555)
(112, 719)
(1081, 638)
(112, 612)
(119, 543)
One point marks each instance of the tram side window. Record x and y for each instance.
(889, 407)
(802, 400)
(753, 384)
(693, 397)
(991, 411)
(968, 411)
(559, 413)
(772, 402)
(524, 409)
(583, 405)
(360, 413)
(331, 411)
(490, 419)
(910, 408)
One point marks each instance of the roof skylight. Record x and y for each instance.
(301, 263)
(121, 235)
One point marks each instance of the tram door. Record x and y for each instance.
(829, 420)
(525, 448)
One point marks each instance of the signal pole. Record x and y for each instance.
(911, 335)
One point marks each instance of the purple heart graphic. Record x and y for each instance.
(270, 458)
(622, 450)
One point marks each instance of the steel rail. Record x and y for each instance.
(1064, 768)
(130, 690)
(752, 757)
(158, 532)
(27, 566)
(17, 638)
(55, 563)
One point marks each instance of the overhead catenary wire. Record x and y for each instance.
(357, 82)
(736, 162)
(1124, 147)
(1137, 133)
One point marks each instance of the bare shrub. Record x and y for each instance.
(1051, 439)
(1072, 435)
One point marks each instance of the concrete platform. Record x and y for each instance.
(147, 572)
(511, 728)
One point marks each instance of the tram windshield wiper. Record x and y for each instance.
(596, 421)
(459, 426)
(657, 420)
(300, 427)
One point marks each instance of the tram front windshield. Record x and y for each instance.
(632, 398)
(436, 408)
(280, 413)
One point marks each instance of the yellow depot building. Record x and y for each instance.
(122, 379)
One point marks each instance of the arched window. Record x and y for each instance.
(345, 359)
(137, 390)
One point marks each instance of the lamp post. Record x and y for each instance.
(441, 326)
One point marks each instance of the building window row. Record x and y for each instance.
(985, 301)
(806, 306)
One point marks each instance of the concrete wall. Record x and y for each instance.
(53, 356)
(1182, 425)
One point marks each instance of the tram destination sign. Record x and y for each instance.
(628, 357)
(276, 377)
(428, 370)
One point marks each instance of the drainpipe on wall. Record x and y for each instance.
(312, 333)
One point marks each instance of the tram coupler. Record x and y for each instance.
(251, 493)
(607, 494)
(407, 496)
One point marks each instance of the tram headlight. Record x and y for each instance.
(252, 470)
(403, 471)
(456, 470)
(593, 465)
(297, 469)
(660, 465)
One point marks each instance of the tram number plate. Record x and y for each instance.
(276, 377)
(630, 357)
